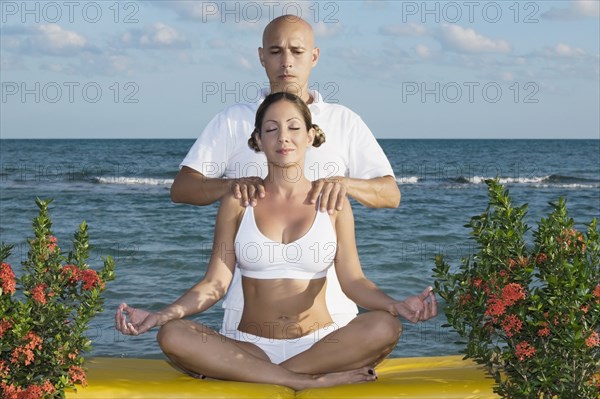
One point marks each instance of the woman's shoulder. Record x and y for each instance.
(231, 205)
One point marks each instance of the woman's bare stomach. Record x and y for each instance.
(284, 308)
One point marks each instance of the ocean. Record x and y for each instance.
(121, 188)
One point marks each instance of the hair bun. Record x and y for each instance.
(319, 136)
(252, 143)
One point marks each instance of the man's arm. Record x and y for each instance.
(192, 187)
(378, 192)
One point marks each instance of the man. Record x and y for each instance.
(350, 162)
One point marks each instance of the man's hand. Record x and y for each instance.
(333, 190)
(248, 189)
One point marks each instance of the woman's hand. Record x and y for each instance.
(133, 321)
(418, 308)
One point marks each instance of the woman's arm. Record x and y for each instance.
(220, 267)
(204, 294)
(362, 290)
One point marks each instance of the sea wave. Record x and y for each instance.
(532, 181)
(408, 180)
(133, 181)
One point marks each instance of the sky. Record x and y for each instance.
(410, 69)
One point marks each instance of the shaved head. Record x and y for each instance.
(286, 23)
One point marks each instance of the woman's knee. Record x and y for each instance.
(169, 335)
(385, 327)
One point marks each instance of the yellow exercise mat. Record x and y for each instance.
(422, 377)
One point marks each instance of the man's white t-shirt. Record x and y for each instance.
(350, 149)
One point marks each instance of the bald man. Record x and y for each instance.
(350, 162)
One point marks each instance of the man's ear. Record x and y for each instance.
(315, 56)
(260, 56)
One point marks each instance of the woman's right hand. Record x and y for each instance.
(133, 321)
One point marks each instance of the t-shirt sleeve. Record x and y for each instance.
(210, 153)
(366, 157)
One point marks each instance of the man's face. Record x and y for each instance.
(288, 56)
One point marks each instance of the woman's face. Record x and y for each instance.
(284, 138)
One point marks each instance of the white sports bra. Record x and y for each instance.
(306, 258)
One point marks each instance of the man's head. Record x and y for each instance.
(288, 54)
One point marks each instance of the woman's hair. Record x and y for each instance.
(300, 106)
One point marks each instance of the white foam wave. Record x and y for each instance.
(407, 180)
(509, 180)
(143, 181)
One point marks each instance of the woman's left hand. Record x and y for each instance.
(418, 308)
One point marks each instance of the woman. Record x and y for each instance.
(284, 247)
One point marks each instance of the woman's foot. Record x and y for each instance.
(363, 374)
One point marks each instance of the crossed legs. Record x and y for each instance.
(343, 357)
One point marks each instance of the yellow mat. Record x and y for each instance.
(446, 377)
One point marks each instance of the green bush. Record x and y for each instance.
(45, 313)
(529, 312)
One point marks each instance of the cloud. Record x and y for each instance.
(423, 51)
(409, 29)
(577, 9)
(157, 35)
(55, 39)
(325, 30)
(563, 50)
(195, 10)
(44, 39)
(466, 40)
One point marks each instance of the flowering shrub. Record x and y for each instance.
(44, 313)
(529, 312)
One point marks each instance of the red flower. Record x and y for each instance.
(524, 350)
(10, 391)
(596, 291)
(512, 325)
(90, 279)
(7, 279)
(544, 331)
(4, 369)
(5, 325)
(593, 340)
(541, 258)
(77, 375)
(496, 307)
(38, 293)
(584, 308)
(52, 245)
(25, 352)
(32, 392)
(21, 353)
(71, 272)
(48, 388)
(464, 299)
(511, 293)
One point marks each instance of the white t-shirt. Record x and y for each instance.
(350, 149)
